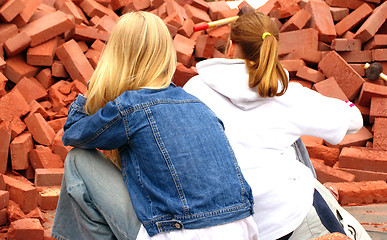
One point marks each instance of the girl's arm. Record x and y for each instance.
(103, 130)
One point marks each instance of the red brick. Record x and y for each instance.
(41, 131)
(58, 147)
(379, 55)
(359, 68)
(378, 108)
(341, 44)
(57, 124)
(4, 199)
(380, 133)
(362, 175)
(215, 8)
(197, 15)
(310, 57)
(328, 174)
(93, 57)
(45, 78)
(201, 4)
(2, 183)
(205, 46)
(58, 70)
(362, 192)
(348, 35)
(290, 41)
(70, 8)
(22, 193)
(43, 157)
(27, 228)
(357, 56)
(370, 90)
(20, 147)
(24, 16)
(228, 13)
(297, 21)
(3, 83)
(321, 20)
(106, 24)
(330, 88)
(56, 97)
(339, 13)
(328, 154)
(48, 198)
(173, 6)
(11, 9)
(17, 68)
(47, 27)
(333, 65)
(310, 74)
(187, 28)
(292, 65)
(174, 20)
(13, 105)
(184, 48)
(31, 89)
(17, 44)
(363, 159)
(7, 30)
(304, 83)
(353, 19)
(75, 62)
(42, 54)
(378, 41)
(370, 26)
(14, 211)
(118, 4)
(183, 74)
(351, 4)
(89, 34)
(3, 217)
(93, 8)
(268, 7)
(38, 108)
(48, 177)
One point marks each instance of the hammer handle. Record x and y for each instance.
(204, 26)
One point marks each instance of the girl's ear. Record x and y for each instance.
(230, 50)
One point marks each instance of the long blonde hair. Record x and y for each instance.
(266, 73)
(139, 54)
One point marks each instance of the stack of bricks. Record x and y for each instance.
(50, 48)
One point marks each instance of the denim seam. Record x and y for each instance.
(124, 116)
(202, 215)
(57, 236)
(167, 159)
(156, 102)
(103, 129)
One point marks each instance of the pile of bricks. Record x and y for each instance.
(49, 49)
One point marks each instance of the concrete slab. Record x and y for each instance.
(373, 217)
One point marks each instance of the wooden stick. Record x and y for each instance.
(204, 26)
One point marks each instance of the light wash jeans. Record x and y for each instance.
(94, 202)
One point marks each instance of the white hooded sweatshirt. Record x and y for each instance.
(261, 132)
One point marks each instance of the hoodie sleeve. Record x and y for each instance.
(325, 117)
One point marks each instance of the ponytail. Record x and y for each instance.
(257, 35)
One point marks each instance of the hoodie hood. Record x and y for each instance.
(230, 78)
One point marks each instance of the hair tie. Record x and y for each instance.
(265, 34)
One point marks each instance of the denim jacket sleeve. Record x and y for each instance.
(103, 130)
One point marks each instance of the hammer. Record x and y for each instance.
(204, 26)
(374, 71)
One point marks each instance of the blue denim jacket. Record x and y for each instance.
(176, 161)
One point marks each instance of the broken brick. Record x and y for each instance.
(48, 177)
(363, 159)
(42, 54)
(43, 157)
(353, 19)
(27, 228)
(22, 193)
(41, 131)
(19, 148)
(380, 133)
(330, 88)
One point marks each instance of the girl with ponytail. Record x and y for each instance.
(264, 115)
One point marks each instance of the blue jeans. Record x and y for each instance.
(94, 202)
